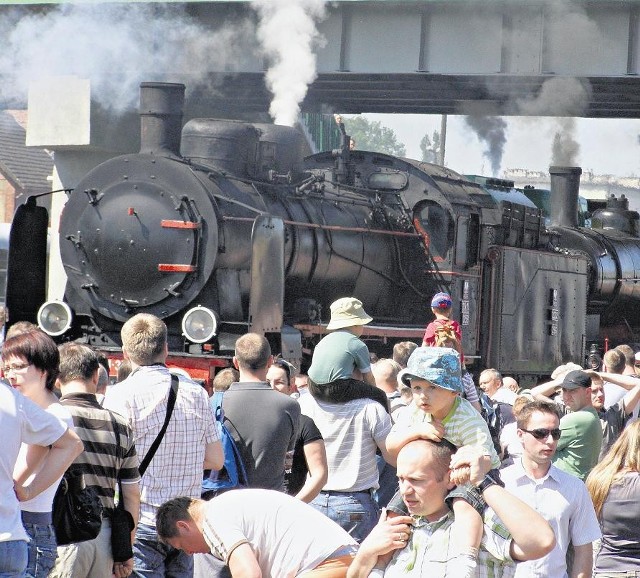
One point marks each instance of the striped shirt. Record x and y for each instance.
(102, 462)
(176, 469)
(352, 433)
(463, 426)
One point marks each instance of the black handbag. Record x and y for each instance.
(77, 510)
(121, 520)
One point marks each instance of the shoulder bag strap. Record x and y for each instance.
(173, 393)
(116, 431)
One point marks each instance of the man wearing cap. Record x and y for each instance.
(581, 439)
(340, 353)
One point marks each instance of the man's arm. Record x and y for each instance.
(630, 383)
(315, 455)
(213, 456)
(376, 549)
(532, 536)
(131, 498)
(544, 391)
(243, 563)
(63, 451)
(582, 561)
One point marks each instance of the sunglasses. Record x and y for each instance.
(543, 433)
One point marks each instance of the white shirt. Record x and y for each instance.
(352, 432)
(563, 500)
(287, 536)
(504, 395)
(21, 421)
(43, 502)
(176, 468)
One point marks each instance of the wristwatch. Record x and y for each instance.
(487, 481)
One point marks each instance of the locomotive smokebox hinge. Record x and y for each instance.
(77, 241)
(94, 196)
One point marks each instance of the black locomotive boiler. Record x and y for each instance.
(222, 227)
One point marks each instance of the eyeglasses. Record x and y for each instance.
(15, 367)
(543, 433)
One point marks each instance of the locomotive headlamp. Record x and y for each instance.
(199, 324)
(54, 318)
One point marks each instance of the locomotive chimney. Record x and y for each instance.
(565, 186)
(161, 105)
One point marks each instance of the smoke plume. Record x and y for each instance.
(288, 35)
(491, 131)
(566, 148)
(116, 46)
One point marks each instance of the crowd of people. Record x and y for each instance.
(358, 467)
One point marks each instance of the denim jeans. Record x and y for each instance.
(42, 550)
(356, 512)
(388, 481)
(152, 559)
(13, 558)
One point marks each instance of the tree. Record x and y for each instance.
(372, 136)
(430, 147)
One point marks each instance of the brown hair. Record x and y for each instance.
(252, 351)
(525, 413)
(614, 360)
(144, 339)
(38, 349)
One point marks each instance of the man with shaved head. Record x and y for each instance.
(420, 544)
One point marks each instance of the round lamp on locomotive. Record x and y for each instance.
(54, 318)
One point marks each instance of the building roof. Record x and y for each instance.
(26, 168)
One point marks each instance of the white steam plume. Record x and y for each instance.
(116, 46)
(288, 35)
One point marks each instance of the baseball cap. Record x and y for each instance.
(575, 379)
(347, 312)
(441, 301)
(439, 365)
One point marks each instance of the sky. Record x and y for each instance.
(606, 146)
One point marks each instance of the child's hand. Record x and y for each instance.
(469, 464)
(433, 431)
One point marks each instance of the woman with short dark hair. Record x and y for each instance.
(30, 363)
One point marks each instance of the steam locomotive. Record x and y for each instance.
(222, 227)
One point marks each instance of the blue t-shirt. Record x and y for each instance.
(336, 356)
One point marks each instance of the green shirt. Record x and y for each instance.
(336, 356)
(580, 442)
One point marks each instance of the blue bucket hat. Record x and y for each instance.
(441, 301)
(439, 365)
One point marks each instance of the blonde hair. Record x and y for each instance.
(622, 457)
(144, 338)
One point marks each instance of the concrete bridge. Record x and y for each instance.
(480, 57)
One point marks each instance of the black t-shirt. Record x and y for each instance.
(309, 432)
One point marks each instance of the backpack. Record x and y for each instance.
(233, 473)
(445, 335)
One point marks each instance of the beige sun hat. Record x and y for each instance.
(347, 312)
